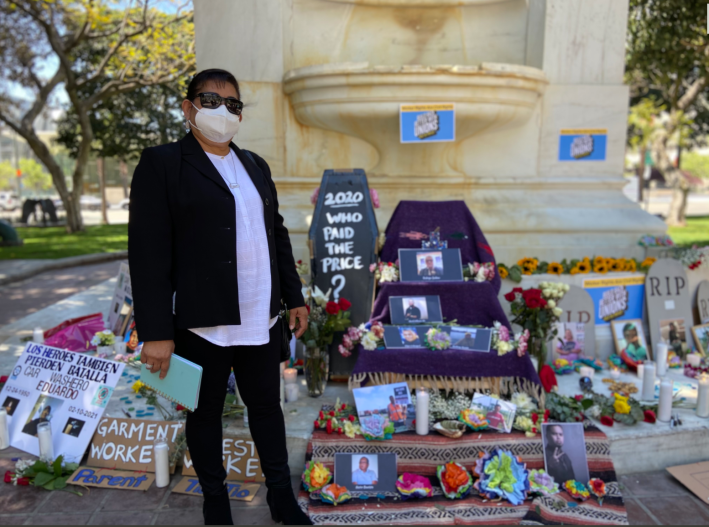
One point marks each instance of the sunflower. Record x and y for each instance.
(609, 262)
(617, 265)
(601, 268)
(647, 262)
(528, 268)
(555, 268)
(574, 270)
(504, 273)
(631, 266)
(586, 259)
(584, 267)
(529, 263)
(598, 260)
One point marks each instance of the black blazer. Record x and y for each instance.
(182, 239)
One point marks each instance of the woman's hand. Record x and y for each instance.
(300, 313)
(156, 356)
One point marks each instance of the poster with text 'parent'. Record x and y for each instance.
(66, 389)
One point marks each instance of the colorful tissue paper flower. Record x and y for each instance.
(542, 484)
(473, 419)
(598, 489)
(414, 486)
(562, 367)
(502, 476)
(316, 476)
(376, 427)
(576, 490)
(456, 482)
(334, 494)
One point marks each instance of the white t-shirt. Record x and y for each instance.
(253, 267)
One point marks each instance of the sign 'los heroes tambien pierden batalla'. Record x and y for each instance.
(343, 236)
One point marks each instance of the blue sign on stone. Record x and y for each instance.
(583, 144)
(427, 123)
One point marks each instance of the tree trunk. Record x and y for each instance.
(123, 169)
(678, 206)
(101, 169)
(641, 174)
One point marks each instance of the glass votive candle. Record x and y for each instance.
(46, 447)
(290, 375)
(161, 451)
(291, 392)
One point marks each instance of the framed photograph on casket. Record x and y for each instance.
(701, 338)
(366, 473)
(377, 406)
(430, 265)
(407, 310)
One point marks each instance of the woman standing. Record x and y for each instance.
(210, 263)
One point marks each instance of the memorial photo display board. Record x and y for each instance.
(415, 309)
(462, 338)
(669, 308)
(366, 473)
(69, 390)
(379, 405)
(430, 265)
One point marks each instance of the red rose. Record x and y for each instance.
(546, 415)
(328, 426)
(510, 297)
(532, 293)
(340, 431)
(579, 398)
(308, 308)
(389, 264)
(343, 407)
(316, 424)
(300, 262)
(650, 417)
(23, 482)
(535, 418)
(322, 415)
(180, 408)
(607, 420)
(3, 379)
(332, 308)
(344, 304)
(534, 302)
(351, 418)
(8, 476)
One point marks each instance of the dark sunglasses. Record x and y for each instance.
(214, 100)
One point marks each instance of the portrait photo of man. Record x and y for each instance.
(10, 405)
(468, 341)
(429, 267)
(362, 474)
(412, 313)
(495, 418)
(31, 427)
(409, 336)
(565, 452)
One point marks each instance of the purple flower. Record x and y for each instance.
(504, 334)
(347, 342)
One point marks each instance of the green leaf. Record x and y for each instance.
(71, 468)
(57, 466)
(586, 404)
(43, 478)
(60, 483)
(515, 273)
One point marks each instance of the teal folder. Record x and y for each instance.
(180, 385)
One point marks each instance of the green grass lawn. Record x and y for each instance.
(696, 231)
(54, 242)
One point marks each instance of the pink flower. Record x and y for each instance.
(347, 342)
(344, 351)
(504, 334)
(314, 196)
(354, 333)
(378, 330)
(375, 197)
(521, 349)
(372, 267)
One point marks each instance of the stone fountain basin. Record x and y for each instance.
(363, 101)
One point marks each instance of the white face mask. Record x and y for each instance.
(216, 124)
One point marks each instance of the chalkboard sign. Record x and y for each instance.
(342, 237)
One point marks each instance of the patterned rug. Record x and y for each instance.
(422, 454)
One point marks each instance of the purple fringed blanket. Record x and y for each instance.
(458, 228)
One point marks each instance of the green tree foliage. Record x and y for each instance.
(34, 176)
(7, 176)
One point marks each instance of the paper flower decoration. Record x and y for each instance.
(456, 482)
(542, 484)
(474, 419)
(502, 475)
(316, 476)
(334, 494)
(577, 490)
(598, 489)
(562, 367)
(414, 486)
(376, 427)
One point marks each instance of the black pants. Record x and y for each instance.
(257, 372)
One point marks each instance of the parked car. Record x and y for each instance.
(90, 203)
(9, 201)
(124, 204)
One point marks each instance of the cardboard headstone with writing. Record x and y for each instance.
(237, 490)
(241, 460)
(128, 443)
(111, 479)
(668, 302)
(343, 237)
(703, 301)
(577, 323)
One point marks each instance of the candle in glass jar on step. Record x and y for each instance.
(162, 463)
(422, 400)
(4, 431)
(291, 392)
(640, 371)
(587, 371)
(661, 359)
(290, 375)
(615, 373)
(664, 413)
(648, 393)
(38, 335)
(703, 396)
(46, 448)
(694, 360)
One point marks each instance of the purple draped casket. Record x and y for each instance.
(468, 303)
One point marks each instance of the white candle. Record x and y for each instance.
(291, 392)
(587, 371)
(46, 448)
(648, 381)
(703, 397)
(290, 375)
(162, 463)
(422, 399)
(4, 432)
(615, 373)
(38, 335)
(661, 359)
(119, 347)
(694, 360)
(640, 370)
(664, 413)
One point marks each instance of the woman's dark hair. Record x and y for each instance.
(214, 75)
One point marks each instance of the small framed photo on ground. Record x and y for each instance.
(565, 452)
(569, 343)
(500, 414)
(673, 333)
(379, 405)
(470, 339)
(366, 473)
(701, 338)
(402, 337)
(629, 337)
(415, 309)
(430, 265)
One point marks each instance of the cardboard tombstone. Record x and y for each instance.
(703, 301)
(669, 308)
(579, 321)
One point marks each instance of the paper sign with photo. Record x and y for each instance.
(401, 337)
(629, 338)
(377, 406)
(569, 343)
(470, 339)
(427, 265)
(500, 414)
(701, 338)
(673, 333)
(366, 473)
(565, 452)
(407, 310)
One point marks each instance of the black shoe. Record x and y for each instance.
(217, 509)
(284, 507)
